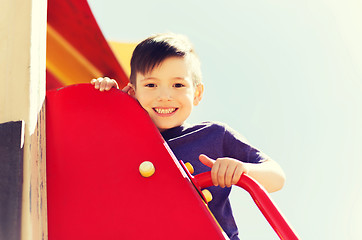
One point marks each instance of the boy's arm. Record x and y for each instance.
(227, 171)
(268, 173)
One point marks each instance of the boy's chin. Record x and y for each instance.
(164, 128)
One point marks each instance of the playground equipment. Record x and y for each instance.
(110, 175)
(77, 51)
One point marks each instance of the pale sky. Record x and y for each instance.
(288, 76)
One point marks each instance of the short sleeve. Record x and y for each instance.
(236, 146)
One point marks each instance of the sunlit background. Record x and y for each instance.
(288, 76)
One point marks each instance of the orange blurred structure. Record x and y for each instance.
(76, 48)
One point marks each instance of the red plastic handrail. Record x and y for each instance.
(262, 200)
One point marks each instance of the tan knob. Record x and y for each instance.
(189, 167)
(147, 169)
(207, 195)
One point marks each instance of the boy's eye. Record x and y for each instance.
(150, 85)
(178, 85)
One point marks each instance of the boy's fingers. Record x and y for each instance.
(109, 85)
(224, 171)
(206, 160)
(229, 176)
(214, 173)
(237, 175)
(221, 174)
(103, 84)
(212, 164)
(97, 82)
(114, 84)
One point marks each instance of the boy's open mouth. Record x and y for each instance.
(164, 110)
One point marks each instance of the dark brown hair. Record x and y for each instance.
(151, 52)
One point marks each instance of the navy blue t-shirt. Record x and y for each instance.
(215, 140)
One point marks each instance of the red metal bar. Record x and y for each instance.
(262, 200)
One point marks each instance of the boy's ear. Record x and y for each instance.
(131, 90)
(199, 91)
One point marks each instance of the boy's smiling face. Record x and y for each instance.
(167, 92)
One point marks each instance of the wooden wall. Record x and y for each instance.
(22, 99)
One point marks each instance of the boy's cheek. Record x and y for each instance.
(137, 96)
(143, 102)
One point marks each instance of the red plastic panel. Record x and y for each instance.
(95, 144)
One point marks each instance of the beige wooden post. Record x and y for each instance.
(22, 97)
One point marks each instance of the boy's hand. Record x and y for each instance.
(105, 83)
(224, 171)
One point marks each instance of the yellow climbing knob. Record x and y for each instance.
(147, 169)
(189, 167)
(207, 195)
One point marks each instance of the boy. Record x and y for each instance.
(166, 80)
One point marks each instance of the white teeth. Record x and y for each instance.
(164, 110)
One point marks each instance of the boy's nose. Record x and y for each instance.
(164, 95)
